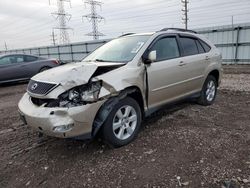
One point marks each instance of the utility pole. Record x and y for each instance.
(94, 18)
(185, 12)
(5, 46)
(62, 17)
(53, 38)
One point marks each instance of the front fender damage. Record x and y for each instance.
(113, 90)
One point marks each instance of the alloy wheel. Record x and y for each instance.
(124, 122)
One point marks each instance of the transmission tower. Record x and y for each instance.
(185, 12)
(62, 17)
(5, 46)
(53, 38)
(94, 18)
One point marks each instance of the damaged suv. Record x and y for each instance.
(120, 83)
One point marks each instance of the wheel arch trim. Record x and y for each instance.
(108, 106)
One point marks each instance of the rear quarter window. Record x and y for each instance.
(206, 47)
(30, 58)
(200, 48)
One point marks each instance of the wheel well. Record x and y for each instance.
(137, 96)
(105, 109)
(44, 67)
(216, 74)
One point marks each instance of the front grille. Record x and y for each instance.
(40, 88)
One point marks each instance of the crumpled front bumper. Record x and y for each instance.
(45, 120)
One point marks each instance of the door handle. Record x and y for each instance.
(207, 58)
(182, 63)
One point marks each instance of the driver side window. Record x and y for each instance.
(166, 48)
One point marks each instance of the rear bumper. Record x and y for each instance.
(77, 121)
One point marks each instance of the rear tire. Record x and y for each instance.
(209, 91)
(123, 123)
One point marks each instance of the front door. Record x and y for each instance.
(166, 76)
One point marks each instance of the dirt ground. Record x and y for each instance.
(205, 146)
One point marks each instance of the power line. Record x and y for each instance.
(199, 15)
(94, 18)
(62, 18)
(127, 19)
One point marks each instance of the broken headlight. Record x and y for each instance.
(81, 95)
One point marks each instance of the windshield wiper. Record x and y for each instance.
(87, 61)
(101, 60)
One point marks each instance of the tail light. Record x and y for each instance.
(55, 62)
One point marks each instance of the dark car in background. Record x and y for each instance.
(19, 67)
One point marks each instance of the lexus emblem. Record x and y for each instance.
(34, 86)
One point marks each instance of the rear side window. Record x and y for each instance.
(16, 59)
(29, 58)
(206, 47)
(166, 48)
(189, 46)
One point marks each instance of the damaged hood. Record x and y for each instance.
(74, 74)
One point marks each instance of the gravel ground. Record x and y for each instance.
(204, 146)
(236, 82)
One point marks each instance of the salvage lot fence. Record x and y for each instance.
(232, 41)
(65, 53)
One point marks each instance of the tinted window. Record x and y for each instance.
(17, 59)
(30, 58)
(166, 48)
(200, 48)
(205, 46)
(11, 59)
(5, 60)
(189, 46)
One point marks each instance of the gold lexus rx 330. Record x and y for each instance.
(120, 83)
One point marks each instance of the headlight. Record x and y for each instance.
(81, 95)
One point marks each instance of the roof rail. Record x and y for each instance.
(126, 34)
(179, 29)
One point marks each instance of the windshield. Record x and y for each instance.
(121, 49)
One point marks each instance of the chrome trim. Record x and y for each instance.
(37, 95)
(171, 85)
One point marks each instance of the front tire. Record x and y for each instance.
(123, 123)
(209, 91)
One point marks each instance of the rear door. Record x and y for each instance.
(166, 75)
(31, 64)
(195, 63)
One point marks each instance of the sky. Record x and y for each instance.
(29, 23)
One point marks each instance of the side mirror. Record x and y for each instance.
(151, 57)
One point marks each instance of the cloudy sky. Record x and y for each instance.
(29, 23)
